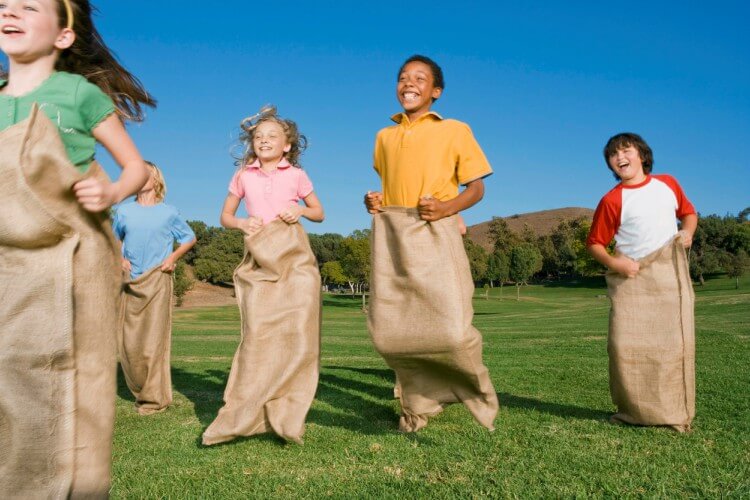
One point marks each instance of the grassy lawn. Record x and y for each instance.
(547, 357)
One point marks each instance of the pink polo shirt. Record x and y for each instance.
(267, 195)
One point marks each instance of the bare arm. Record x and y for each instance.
(618, 263)
(312, 210)
(431, 209)
(687, 228)
(95, 195)
(230, 221)
(171, 262)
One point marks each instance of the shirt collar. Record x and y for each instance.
(401, 117)
(284, 163)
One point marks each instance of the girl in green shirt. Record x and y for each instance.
(58, 263)
(59, 61)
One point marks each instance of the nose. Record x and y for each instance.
(9, 10)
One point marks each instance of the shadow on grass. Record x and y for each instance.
(122, 386)
(557, 409)
(593, 282)
(346, 301)
(204, 389)
(367, 415)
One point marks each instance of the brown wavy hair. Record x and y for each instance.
(90, 57)
(627, 139)
(297, 141)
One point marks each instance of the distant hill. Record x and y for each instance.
(542, 223)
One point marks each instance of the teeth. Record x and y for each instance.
(11, 29)
(410, 95)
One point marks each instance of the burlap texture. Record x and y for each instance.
(652, 341)
(59, 286)
(275, 370)
(420, 318)
(144, 339)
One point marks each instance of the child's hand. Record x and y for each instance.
(291, 215)
(95, 195)
(461, 225)
(687, 238)
(373, 201)
(625, 266)
(169, 264)
(251, 225)
(431, 209)
(126, 265)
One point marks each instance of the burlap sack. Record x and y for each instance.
(420, 318)
(652, 341)
(59, 286)
(144, 339)
(275, 369)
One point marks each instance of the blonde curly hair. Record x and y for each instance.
(297, 141)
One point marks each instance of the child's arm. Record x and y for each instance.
(689, 224)
(618, 263)
(249, 226)
(95, 195)
(373, 201)
(312, 210)
(170, 262)
(431, 209)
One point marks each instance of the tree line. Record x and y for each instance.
(721, 244)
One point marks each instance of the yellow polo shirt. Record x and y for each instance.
(429, 157)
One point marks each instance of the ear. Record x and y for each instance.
(436, 93)
(287, 148)
(65, 39)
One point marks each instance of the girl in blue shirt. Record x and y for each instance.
(149, 229)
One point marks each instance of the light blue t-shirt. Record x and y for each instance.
(148, 234)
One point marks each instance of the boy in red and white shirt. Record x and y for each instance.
(651, 341)
(641, 212)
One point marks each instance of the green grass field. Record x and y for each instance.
(548, 361)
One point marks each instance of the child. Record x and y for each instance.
(275, 369)
(148, 229)
(651, 333)
(421, 312)
(58, 261)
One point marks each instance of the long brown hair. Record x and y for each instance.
(90, 57)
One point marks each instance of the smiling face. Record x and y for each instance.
(416, 89)
(29, 30)
(627, 164)
(270, 142)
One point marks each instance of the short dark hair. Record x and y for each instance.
(624, 140)
(437, 72)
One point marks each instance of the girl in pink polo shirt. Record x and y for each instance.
(275, 370)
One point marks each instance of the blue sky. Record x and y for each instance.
(542, 84)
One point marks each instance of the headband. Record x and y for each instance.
(69, 13)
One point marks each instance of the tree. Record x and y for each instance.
(182, 282)
(503, 239)
(736, 267)
(354, 257)
(325, 246)
(525, 260)
(477, 260)
(498, 268)
(217, 260)
(331, 272)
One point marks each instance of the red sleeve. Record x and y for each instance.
(606, 219)
(684, 207)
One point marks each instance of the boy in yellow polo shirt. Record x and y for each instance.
(420, 313)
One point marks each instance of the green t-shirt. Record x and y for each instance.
(73, 103)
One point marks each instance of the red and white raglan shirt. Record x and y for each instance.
(641, 218)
